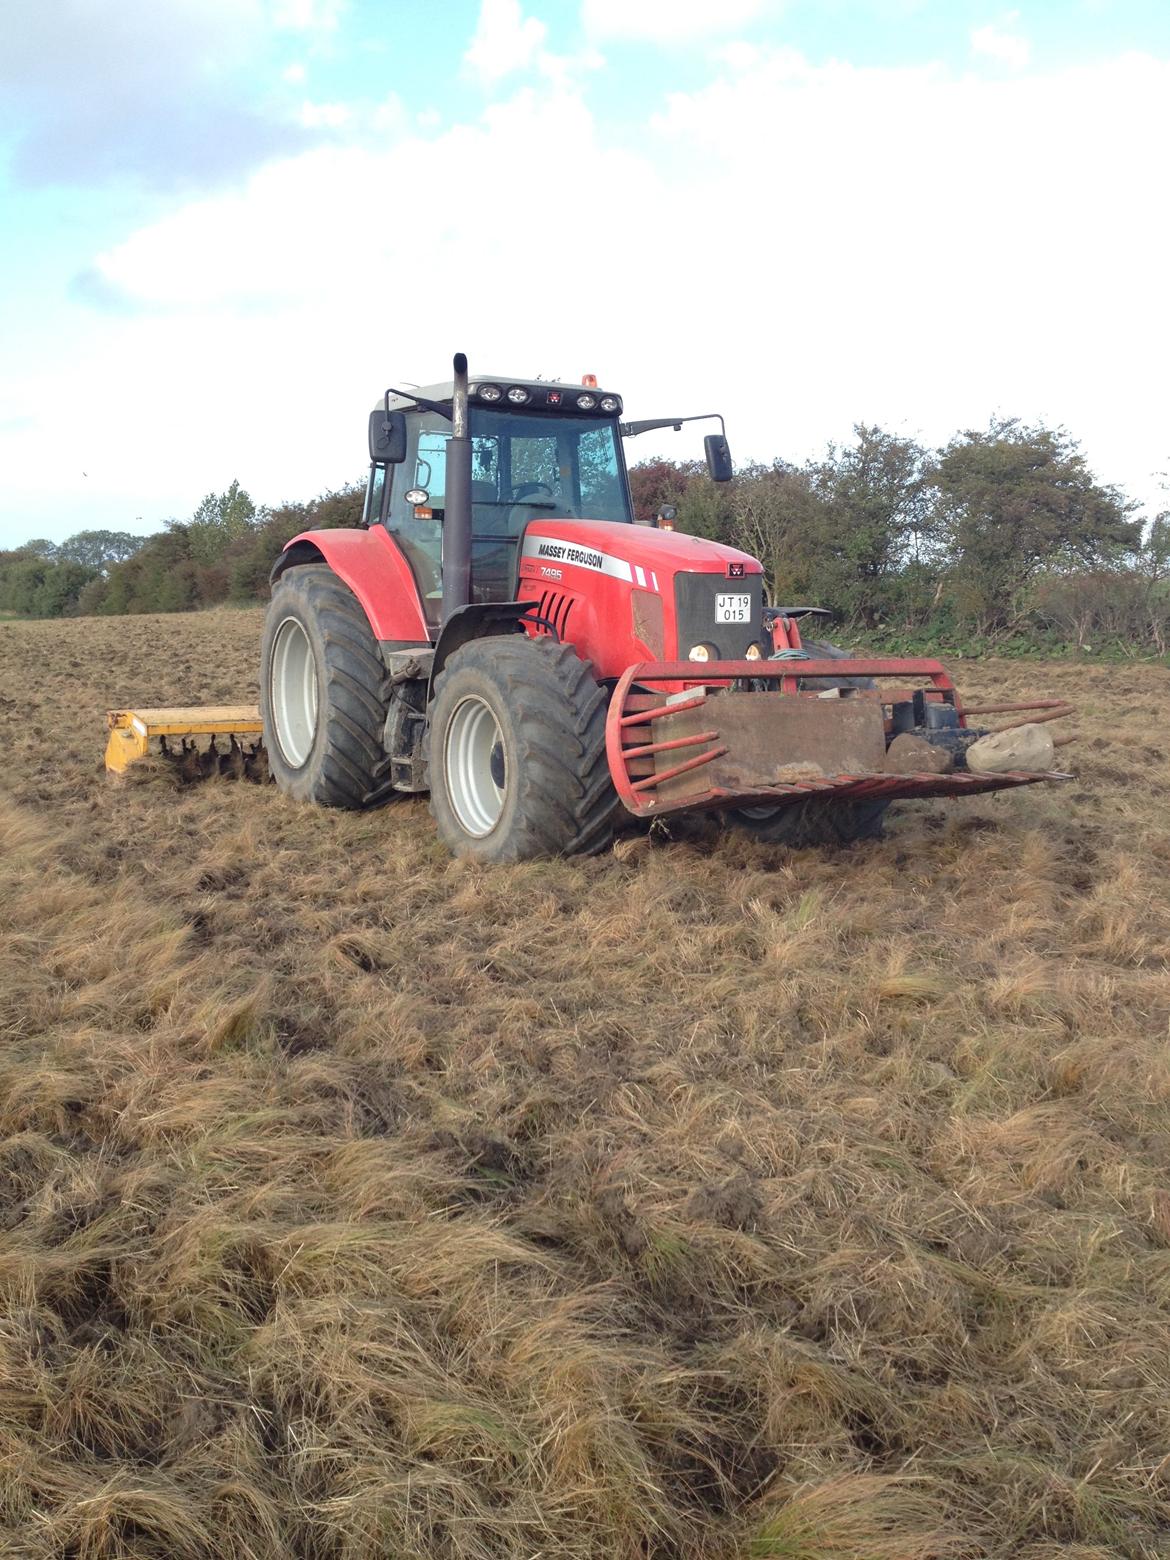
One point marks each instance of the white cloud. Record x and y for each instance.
(505, 40)
(308, 15)
(162, 94)
(739, 55)
(295, 74)
(918, 246)
(327, 116)
(1002, 43)
(800, 246)
(389, 116)
(667, 21)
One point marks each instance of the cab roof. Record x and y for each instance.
(539, 398)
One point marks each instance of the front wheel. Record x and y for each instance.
(321, 679)
(516, 752)
(811, 823)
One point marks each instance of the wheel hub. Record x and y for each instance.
(294, 692)
(497, 765)
(474, 766)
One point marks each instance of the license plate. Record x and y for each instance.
(732, 609)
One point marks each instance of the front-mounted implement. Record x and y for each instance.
(774, 734)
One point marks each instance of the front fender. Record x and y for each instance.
(478, 620)
(375, 569)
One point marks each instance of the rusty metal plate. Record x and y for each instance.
(773, 739)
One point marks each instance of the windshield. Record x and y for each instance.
(563, 466)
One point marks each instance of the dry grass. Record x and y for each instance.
(703, 1200)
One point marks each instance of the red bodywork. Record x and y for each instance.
(608, 586)
(373, 566)
(612, 585)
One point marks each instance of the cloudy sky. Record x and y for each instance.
(227, 225)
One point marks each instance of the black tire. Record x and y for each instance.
(329, 756)
(816, 823)
(550, 789)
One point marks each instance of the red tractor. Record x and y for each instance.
(501, 633)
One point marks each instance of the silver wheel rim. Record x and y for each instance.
(474, 740)
(758, 814)
(293, 689)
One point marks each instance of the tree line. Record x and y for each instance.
(223, 553)
(1003, 537)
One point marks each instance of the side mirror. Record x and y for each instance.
(718, 455)
(387, 437)
(667, 515)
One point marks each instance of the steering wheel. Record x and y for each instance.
(527, 497)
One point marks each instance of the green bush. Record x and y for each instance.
(40, 587)
(224, 553)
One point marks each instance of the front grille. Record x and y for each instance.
(694, 602)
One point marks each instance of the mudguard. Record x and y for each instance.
(375, 569)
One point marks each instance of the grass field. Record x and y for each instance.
(699, 1200)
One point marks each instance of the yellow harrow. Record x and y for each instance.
(133, 731)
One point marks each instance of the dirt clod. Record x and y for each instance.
(733, 1204)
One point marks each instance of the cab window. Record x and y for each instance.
(602, 492)
(418, 528)
(375, 491)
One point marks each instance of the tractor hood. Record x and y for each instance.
(623, 593)
(626, 551)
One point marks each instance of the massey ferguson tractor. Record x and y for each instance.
(500, 632)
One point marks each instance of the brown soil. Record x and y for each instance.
(706, 1199)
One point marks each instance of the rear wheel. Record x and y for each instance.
(516, 752)
(816, 823)
(321, 678)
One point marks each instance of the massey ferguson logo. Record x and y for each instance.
(563, 553)
(544, 552)
(735, 571)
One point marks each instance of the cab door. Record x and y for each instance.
(418, 527)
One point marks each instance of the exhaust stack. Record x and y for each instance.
(457, 499)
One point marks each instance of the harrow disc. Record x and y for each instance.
(176, 736)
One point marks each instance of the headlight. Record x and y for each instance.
(699, 653)
(517, 395)
(753, 653)
(586, 403)
(610, 403)
(489, 392)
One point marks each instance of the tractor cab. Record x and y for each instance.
(539, 451)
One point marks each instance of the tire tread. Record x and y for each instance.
(354, 699)
(566, 801)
